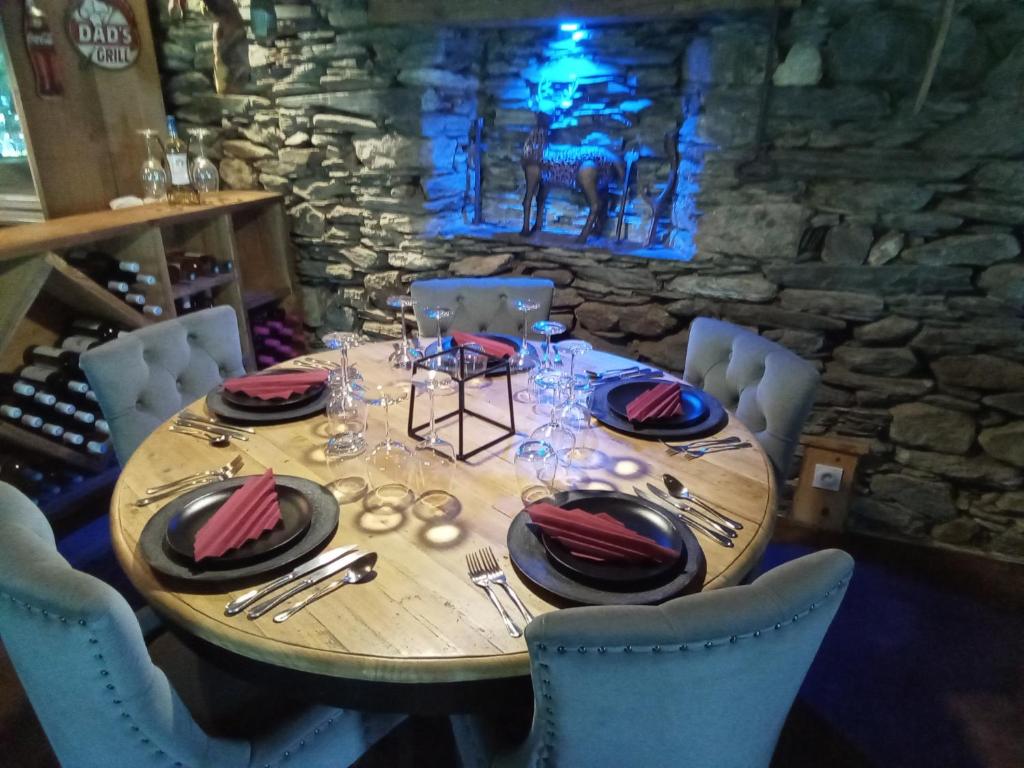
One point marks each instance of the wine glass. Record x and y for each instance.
(434, 456)
(389, 461)
(437, 314)
(535, 465)
(549, 328)
(204, 173)
(153, 174)
(406, 354)
(343, 341)
(524, 357)
(346, 418)
(554, 433)
(474, 363)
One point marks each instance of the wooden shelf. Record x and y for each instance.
(30, 441)
(67, 501)
(256, 299)
(200, 284)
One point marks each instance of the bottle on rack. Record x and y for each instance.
(180, 191)
(101, 266)
(12, 385)
(55, 357)
(80, 343)
(98, 329)
(55, 379)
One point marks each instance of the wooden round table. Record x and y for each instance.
(421, 620)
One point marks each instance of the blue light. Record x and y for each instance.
(565, 104)
(579, 35)
(569, 26)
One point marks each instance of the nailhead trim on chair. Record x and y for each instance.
(545, 753)
(93, 640)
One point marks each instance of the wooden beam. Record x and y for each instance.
(487, 12)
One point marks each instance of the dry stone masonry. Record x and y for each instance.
(883, 245)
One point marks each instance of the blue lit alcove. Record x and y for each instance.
(599, 90)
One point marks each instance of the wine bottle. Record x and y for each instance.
(180, 191)
(136, 299)
(52, 377)
(99, 329)
(147, 280)
(15, 472)
(51, 356)
(41, 397)
(10, 384)
(102, 267)
(11, 412)
(31, 421)
(152, 310)
(56, 431)
(80, 343)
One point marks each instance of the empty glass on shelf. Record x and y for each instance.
(153, 174)
(205, 177)
(406, 353)
(536, 465)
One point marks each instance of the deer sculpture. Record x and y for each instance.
(589, 170)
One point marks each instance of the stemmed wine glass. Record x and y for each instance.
(554, 433)
(406, 354)
(346, 418)
(343, 341)
(437, 314)
(153, 174)
(536, 465)
(574, 413)
(204, 173)
(389, 460)
(547, 328)
(434, 456)
(522, 360)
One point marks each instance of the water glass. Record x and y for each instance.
(535, 465)
(346, 418)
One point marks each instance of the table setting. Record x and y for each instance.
(381, 467)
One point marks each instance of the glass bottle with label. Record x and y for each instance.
(180, 190)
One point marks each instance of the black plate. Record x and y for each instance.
(217, 405)
(255, 403)
(162, 559)
(635, 515)
(716, 417)
(182, 528)
(531, 561)
(448, 343)
(622, 394)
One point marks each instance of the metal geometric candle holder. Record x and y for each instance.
(460, 376)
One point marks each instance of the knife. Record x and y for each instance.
(305, 583)
(239, 604)
(695, 524)
(705, 520)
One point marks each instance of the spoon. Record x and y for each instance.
(676, 488)
(216, 440)
(361, 570)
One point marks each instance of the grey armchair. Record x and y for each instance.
(704, 680)
(770, 389)
(80, 655)
(481, 304)
(146, 376)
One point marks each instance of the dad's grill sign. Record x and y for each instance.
(104, 32)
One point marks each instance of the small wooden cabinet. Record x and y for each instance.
(40, 292)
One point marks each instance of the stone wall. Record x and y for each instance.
(882, 244)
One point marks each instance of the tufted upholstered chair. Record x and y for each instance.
(481, 304)
(770, 389)
(704, 680)
(146, 376)
(80, 655)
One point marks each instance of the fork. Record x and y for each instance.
(497, 576)
(478, 575)
(697, 453)
(695, 445)
(151, 498)
(190, 416)
(223, 473)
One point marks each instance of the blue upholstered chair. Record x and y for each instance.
(148, 375)
(481, 304)
(770, 389)
(704, 680)
(80, 655)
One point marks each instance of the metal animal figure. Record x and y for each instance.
(585, 169)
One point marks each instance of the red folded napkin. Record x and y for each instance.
(250, 511)
(491, 347)
(597, 536)
(658, 402)
(270, 385)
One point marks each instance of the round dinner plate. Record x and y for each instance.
(622, 394)
(182, 527)
(635, 515)
(161, 558)
(713, 421)
(219, 406)
(242, 400)
(448, 343)
(533, 563)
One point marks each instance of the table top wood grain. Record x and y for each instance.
(421, 620)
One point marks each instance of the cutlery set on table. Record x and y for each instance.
(485, 572)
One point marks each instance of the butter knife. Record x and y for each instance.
(689, 521)
(315, 577)
(242, 602)
(693, 511)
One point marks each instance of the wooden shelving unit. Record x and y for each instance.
(40, 292)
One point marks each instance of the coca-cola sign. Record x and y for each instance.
(104, 32)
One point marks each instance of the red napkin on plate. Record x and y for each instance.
(597, 536)
(491, 347)
(267, 386)
(249, 511)
(659, 402)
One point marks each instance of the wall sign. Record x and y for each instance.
(104, 32)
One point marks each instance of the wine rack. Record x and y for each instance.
(243, 233)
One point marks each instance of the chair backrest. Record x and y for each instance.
(702, 680)
(770, 389)
(481, 304)
(146, 376)
(79, 653)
